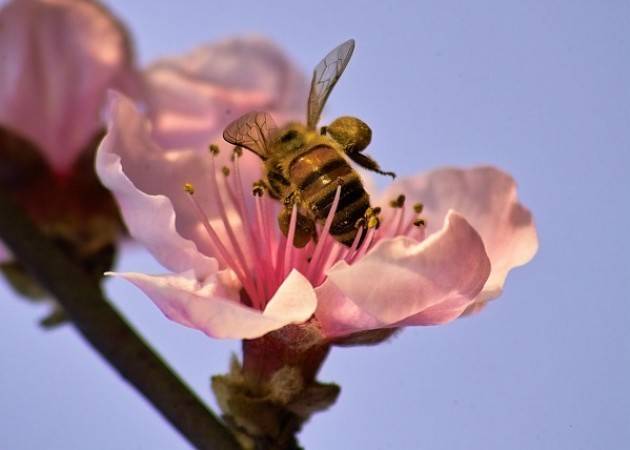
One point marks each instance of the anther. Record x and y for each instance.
(258, 188)
(237, 152)
(189, 188)
(214, 149)
(377, 210)
(398, 202)
(225, 170)
(418, 207)
(419, 222)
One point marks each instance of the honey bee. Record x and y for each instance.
(304, 166)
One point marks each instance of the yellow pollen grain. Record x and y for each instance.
(189, 188)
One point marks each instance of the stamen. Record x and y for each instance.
(398, 202)
(324, 234)
(237, 152)
(399, 225)
(214, 149)
(219, 250)
(264, 246)
(279, 266)
(357, 238)
(318, 268)
(288, 253)
(235, 192)
(365, 245)
(333, 257)
(226, 222)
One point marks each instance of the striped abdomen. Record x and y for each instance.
(315, 174)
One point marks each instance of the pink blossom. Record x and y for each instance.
(58, 59)
(193, 96)
(235, 276)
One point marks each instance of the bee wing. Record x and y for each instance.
(325, 76)
(253, 131)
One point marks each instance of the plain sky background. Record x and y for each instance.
(540, 89)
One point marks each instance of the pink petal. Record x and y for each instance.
(149, 215)
(340, 316)
(58, 59)
(212, 306)
(407, 277)
(194, 96)
(444, 312)
(487, 198)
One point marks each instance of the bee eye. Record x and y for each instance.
(288, 136)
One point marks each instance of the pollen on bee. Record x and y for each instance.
(225, 170)
(398, 202)
(189, 188)
(214, 149)
(373, 222)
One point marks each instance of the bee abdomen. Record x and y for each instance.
(317, 174)
(351, 192)
(353, 203)
(344, 223)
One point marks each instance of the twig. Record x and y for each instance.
(108, 333)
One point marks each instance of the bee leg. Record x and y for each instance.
(304, 230)
(368, 163)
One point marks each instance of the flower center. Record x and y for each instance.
(244, 237)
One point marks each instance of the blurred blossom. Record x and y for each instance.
(192, 97)
(59, 58)
(236, 276)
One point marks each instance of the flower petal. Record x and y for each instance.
(487, 198)
(338, 315)
(194, 96)
(58, 59)
(212, 306)
(407, 277)
(150, 217)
